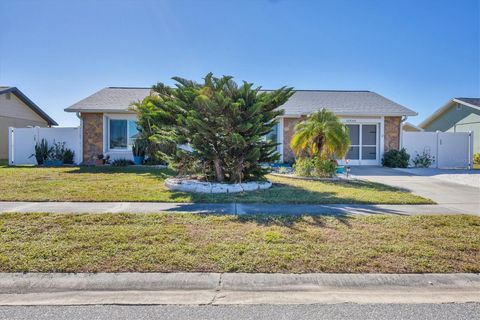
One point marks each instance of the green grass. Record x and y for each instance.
(40, 242)
(147, 184)
(476, 166)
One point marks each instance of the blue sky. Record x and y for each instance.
(417, 53)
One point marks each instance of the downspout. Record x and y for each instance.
(402, 120)
(81, 137)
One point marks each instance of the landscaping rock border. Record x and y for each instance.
(191, 185)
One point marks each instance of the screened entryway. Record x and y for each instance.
(364, 140)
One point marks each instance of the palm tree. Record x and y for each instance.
(321, 134)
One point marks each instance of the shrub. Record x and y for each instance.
(68, 156)
(304, 167)
(423, 160)
(56, 151)
(315, 167)
(122, 162)
(139, 148)
(476, 158)
(41, 151)
(325, 168)
(395, 158)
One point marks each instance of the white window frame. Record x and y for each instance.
(126, 117)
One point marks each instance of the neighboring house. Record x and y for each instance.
(17, 110)
(457, 115)
(408, 127)
(109, 128)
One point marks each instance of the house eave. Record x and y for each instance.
(99, 110)
(349, 114)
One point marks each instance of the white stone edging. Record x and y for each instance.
(191, 185)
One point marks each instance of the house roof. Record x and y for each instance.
(411, 126)
(111, 99)
(118, 99)
(29, 103)
(473, 103)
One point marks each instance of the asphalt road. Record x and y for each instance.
(277, 312)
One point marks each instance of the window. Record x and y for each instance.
(122, 134)
(272, 135)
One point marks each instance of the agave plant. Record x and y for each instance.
(41, 151)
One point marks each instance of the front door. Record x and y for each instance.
(364, 144)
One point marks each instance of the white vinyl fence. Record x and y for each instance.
(21, 142)
(448, 149)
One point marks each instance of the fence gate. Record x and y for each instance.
(21, 142)
(448, 149)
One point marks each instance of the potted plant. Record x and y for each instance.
(41, 152)
(138, 150)
(55, 154)
(101, 160)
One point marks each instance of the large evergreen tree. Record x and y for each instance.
(225, 124)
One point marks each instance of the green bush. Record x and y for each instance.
(304, 167)
(423, 160)
(476, 158)
(68, 156)
(41, 151)
(396, 159)
(314, 167)
(122, 162)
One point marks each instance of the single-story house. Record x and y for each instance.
(108, 126)
(17, 110)
(457, 115)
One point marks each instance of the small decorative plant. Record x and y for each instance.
(139, 149)
(101, 160)
(122, 162)
(476, 158)
(41, 152)
(55, 154)
(423, 160)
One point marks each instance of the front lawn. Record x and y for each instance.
(147, 184)
(40, 242)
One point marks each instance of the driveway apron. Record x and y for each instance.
(456, 196)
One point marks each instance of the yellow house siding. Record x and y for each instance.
(14, 113)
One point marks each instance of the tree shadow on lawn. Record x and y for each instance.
(283, 193)
(290, 221)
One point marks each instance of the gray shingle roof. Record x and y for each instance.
(112, 99)
(303, 102)
(343, 103)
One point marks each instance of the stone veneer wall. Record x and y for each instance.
(288, 131)
(392, 133)
(92, 136)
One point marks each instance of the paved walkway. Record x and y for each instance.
(223, 208)
(453, 196)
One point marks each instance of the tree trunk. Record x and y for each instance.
(219, 170)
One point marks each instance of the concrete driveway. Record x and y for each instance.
(456, 196)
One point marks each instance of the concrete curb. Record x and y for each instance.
(234, 288)
(56, 282)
